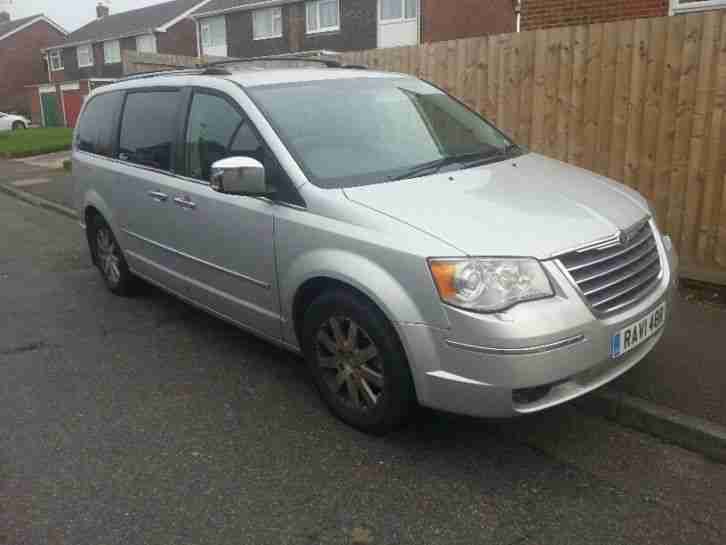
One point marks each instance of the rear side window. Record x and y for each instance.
(149, 127)
(95, 132)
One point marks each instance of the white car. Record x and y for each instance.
(11, 122)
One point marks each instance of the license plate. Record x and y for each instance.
(638, 332)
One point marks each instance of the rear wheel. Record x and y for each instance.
(18, 126)
(357, 362)
(109, 258)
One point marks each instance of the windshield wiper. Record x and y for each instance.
(510, 151)
(468, 160)
(432, 167)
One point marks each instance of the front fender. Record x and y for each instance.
(368, 277)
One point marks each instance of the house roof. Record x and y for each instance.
(134, 22)
(11, 27)
(224, 6)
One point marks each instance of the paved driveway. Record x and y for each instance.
(126, 421)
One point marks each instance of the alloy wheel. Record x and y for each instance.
(350, 363)
(108, 255)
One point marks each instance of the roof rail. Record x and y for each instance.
(217, 68)
(330, 63)
(169, 72)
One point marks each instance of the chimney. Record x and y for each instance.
(4, 17)
(102, 10)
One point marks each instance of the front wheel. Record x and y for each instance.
(19, 126)
(357, 362)
(109, 258)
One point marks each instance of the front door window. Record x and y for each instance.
(217, 130)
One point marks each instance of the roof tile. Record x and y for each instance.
(128, 23)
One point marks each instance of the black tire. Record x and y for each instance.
(19, 125)
(120, 282)
(396, 396)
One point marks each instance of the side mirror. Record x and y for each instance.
(239, 176)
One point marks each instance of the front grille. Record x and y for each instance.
(618, 276)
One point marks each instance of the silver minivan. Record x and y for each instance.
(408, 249)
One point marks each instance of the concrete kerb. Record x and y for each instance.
(665, 423)
(38, 201)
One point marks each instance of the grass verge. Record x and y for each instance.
(29, 142)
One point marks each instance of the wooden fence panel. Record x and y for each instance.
(592, 95)
(684, 124)
(576, 145)
(642, 101)
(696, 186)
(607, 97)
(526, 86)
(653, 106)
(715, 197)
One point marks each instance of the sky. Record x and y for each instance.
(70, 14)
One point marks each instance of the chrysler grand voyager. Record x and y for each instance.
(402, 244)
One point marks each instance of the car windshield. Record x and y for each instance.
(361, 131)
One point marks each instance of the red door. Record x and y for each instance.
(72, 101)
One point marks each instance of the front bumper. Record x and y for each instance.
(534, 356)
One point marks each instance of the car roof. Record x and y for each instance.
(249, 77)
(254, 78)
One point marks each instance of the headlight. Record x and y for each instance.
(489, 285)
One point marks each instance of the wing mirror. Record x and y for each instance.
(240, 176)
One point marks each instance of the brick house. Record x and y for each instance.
(553, 13)
(455, 19)
(92, 55)
(252, 28)
(21, 62)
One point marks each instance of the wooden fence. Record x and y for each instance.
(135, 62)
(641, 101)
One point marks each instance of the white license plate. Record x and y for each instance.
(638, 332)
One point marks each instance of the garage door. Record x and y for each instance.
(51, 115)
(72, 101)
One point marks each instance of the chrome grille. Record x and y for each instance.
(617, 276)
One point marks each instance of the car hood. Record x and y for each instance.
(529, 206)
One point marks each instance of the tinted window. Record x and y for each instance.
(148, 128)
(217, 130)
(95, 132)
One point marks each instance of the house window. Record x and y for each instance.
(112, 52)
(56, 60)
(85, 55)
(322, 16)
(685, 6)
(398, 10)
(267, 23)
(214, 35)
(146, 43)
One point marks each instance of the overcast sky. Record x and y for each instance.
(70, 14)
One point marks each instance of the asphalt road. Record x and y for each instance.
(130, 421)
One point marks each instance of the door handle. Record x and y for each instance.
(158, 196)
(184, 202)
(123, 156)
